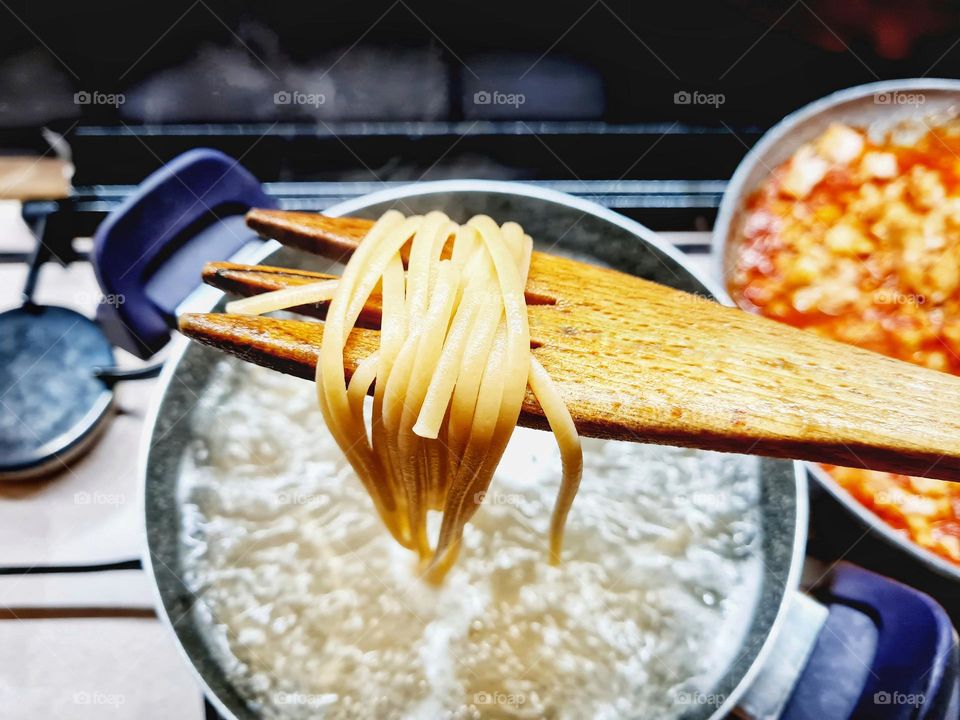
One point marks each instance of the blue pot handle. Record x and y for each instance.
(886, 652)
(148, 253)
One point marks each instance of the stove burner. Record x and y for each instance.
(54, 404)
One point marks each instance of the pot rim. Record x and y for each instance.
(730, 204)
(204, 301)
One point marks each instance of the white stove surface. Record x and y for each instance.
(87, 644)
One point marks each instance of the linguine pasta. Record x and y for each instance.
(449, 377)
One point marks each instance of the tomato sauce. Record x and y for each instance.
(858, 239)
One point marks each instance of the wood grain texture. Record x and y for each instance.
(635, 360)
(337, 238)
(247, 280)
(34, 178)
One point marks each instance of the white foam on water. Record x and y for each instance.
(315, 611)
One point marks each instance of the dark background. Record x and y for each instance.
(399, 79)
(599, 80)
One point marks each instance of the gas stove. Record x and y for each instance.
(87, 566)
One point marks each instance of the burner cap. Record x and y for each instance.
(51, 403)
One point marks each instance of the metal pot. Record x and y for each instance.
(880, 105)
(768, 665)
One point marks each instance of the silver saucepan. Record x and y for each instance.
(767, 662)
(876, 105)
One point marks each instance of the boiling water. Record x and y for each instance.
(316, 611)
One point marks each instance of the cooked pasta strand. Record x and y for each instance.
(571, 453)
(286, 298)
(448, 379)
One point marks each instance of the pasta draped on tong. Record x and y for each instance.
(449, 377)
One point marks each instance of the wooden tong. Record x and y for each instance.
(639, 361)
